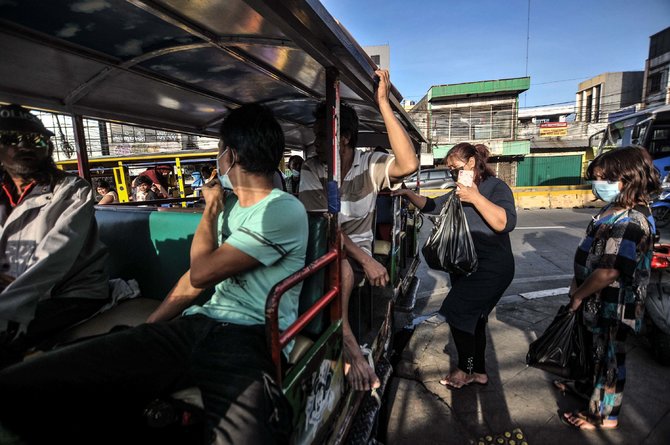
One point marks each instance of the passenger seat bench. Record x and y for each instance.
(153, 247)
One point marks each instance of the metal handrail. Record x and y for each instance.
(277, 341)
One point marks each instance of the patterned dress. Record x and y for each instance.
(622, 241)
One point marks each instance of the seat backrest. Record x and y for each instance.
(153, 247)
(150, 246)
(313, 287)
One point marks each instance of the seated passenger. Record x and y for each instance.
(52, 265)
(159, 180)
(364, 175)
(94, 391)
(143, 191)
(109, 196)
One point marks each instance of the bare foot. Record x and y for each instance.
(482, 379)
(457, 379)
(359, 373)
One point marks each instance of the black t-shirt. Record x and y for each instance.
(489, 245)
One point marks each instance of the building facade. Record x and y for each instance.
(483, 112)
(380, 55)
(607, 93)
(656, 79)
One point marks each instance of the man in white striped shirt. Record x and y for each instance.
(364, 175)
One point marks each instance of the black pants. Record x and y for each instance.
(52, 317)
(96, 391)
(471, 348)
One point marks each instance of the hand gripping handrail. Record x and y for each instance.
(277, 341)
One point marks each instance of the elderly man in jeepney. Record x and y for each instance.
(52, 265)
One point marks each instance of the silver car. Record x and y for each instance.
(432, 178)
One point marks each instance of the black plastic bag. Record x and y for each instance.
(562, 348)
(449, 246)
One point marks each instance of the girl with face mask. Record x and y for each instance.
(612, 267)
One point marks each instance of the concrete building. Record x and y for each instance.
(555, 123)
(548, 113)
(656, 78)
(483, 112)
(606, 93)
(480, 112)
(407, 104)
(380, 54)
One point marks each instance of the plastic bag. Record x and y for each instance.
(449, 246)
(562, 348)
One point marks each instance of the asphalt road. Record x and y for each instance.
(543, 243)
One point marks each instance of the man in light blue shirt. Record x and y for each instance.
(245, 243)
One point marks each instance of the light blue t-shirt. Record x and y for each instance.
(274, 232)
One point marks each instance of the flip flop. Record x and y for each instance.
(452, 386)
(446, 382)
(564, 420)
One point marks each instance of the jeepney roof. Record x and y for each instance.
(181, 65)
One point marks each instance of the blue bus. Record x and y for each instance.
(649, 128)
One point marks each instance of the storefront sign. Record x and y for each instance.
(552, 129)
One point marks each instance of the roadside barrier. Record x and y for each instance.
(544, 197)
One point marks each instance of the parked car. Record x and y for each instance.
(432, 178)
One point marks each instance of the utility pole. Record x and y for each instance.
(525, 94)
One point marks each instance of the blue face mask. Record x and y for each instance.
(605, 190)
(223, 178)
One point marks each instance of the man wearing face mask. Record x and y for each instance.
(293, 183)
(364, 174)
(52, 265)
(247, 241)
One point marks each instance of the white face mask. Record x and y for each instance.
(223, 178)
(295, 173)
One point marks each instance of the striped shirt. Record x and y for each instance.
(358, 194)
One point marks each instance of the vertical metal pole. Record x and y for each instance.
(104, 138)
(180, 181)
(491, 123)
(334, 178)
(121, 180)
(515, 107)
(80, 142)
(450, 110)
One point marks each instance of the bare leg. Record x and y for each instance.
(359, 373)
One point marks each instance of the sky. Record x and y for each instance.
(437, 42)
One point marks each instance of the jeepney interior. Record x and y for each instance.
(181, 66)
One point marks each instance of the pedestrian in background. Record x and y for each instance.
(293, 181)
(612, 267)
(489, 209)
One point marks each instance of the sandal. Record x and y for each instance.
(454, 384)
(458, 384)
(583, 420)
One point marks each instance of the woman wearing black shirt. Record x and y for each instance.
(491, 215)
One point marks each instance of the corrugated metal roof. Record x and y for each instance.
(487, 87)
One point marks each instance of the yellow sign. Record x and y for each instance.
(553, 129)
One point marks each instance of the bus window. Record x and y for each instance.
(640, 131)
(659, 142)
(615, 135)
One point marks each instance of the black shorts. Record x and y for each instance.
(359, 273)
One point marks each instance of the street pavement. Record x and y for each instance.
(420, 410)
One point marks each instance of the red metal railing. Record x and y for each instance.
(277, 341)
